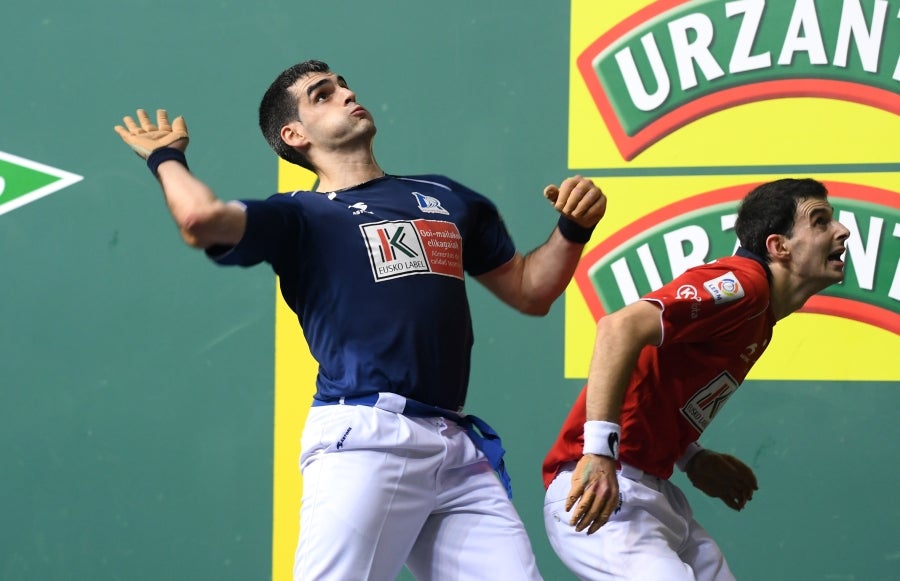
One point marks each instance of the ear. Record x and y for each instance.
(294, 135)
(778, 246)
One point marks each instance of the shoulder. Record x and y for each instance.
(294, 200)
(728, 280)
(442, 182)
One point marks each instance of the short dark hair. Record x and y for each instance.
(279, 107)
(770, 208)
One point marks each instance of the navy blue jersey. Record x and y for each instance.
(375, 274)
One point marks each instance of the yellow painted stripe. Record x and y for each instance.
(295, 374)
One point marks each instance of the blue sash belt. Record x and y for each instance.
(482, 435)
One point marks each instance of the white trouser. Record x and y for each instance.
(653, 537)
(381, 489)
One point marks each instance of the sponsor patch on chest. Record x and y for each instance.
(407, 247)
(706, 403)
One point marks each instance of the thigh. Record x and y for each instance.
(366, 494)
(700, 551)
(636, 543)
(474, 532)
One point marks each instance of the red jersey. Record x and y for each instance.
(716, 321)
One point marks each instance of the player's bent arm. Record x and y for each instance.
(202, 218)
(531, 283)
(620, 338)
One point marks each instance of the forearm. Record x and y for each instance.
(547, 271)
(612, 363)
(621, 336)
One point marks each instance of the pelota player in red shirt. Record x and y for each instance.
(662, 368)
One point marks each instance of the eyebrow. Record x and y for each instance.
(828, 210)
(315, 86)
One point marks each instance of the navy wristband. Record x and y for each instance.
(157, 156)
(573, 232)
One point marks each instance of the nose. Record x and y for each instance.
(842, 231)
(349, 96)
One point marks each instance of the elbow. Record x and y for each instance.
(195, 228)
(535, 308)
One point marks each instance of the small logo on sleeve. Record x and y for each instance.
(725, 288)
(687, 292)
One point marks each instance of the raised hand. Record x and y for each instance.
(579, 200)
(147, 136)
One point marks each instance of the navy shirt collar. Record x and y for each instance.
(743, 252)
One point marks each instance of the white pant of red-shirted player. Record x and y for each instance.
(653, 537)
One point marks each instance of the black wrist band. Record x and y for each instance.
(157, 156)
(572, 231)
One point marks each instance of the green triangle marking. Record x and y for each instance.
(23, 181)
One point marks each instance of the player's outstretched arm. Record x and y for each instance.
(202, 219)
(722, 476)
(532, 283)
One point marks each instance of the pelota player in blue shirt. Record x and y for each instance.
(373, 265)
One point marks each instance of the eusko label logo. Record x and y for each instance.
(660, 246)
(408, 247)
(678, 60)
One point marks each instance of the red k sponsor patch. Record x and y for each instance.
(407, 247)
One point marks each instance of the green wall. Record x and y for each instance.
(136, 378)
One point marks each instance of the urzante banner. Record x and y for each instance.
(684, 106)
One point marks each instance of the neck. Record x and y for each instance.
(789, 294)
(345, 171)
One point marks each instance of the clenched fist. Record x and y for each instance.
(579, 200)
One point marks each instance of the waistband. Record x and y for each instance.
(479, 431)
(631, 472)
(393, 402)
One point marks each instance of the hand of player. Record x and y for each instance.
(595, 483)
(579, 200)
(147, 136)
(723, 476)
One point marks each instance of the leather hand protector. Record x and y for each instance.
(147, 137)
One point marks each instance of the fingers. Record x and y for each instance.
(594, 493)
(162, 120)
(179, 125)
(130, 124)
(133, 127)
(744, 473)
(574, 493)
(551, 192)
(599, 522)
(146, 124)
(580, 514)
(593, 510)
(579, 199)
(123, 133)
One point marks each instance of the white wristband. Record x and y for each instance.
(602, 438)
(692, 450)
